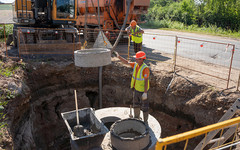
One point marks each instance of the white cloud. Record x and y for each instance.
(6, 1)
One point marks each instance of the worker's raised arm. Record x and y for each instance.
(123, 60)
(128, 30)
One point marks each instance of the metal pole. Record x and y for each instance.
(19, 52)
(76, 103)
(175, 55)
(238, 82)
(74, 45)
(100, 87)
(79, 31)
(230, 67)
(128, 46)
(99, 16)
(85, 23)
(100, 68)
(5, 40)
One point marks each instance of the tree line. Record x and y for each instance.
(203, 13)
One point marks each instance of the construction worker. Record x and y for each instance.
(139, 84)
(136, 34)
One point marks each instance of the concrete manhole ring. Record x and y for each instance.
(129, 134)
(95, 57)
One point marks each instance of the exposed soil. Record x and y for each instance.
(44, 88)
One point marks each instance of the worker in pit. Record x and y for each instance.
(139, 84)
(136, 34)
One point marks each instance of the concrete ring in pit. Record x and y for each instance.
(129, 134)
(95, 57)
(112, 114)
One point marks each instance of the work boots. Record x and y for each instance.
(145, 116)
(137, 112)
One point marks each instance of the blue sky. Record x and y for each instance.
(7, 1)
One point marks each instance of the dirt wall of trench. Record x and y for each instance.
(47, 90)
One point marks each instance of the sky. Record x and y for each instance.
(7, 1)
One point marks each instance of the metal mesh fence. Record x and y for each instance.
(209, 58)
(90, 36)
(46, 41)
(5, 37)
(165, 52)
(203, 51)
(206, 57)
(2, 39)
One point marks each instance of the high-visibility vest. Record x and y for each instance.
(139, 81)
(138, 37)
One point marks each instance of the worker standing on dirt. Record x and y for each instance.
(139, 84)
(136, 34)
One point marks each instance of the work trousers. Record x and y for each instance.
(137, 47)
(138, 102)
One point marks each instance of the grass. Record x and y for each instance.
(5, 7)
(174, 25)
(3, 118)
(7, 71)
(8, 30)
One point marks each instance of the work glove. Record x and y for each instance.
(115, 54)
(144, 96)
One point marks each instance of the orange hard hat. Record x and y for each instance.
(133, 23)
(140, 55)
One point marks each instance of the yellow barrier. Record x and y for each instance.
(162, 143)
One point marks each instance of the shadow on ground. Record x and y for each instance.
(152, 57)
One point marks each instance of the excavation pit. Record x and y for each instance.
(130, 134)
(95, 57)
(94, 130)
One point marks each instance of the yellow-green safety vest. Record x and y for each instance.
(139, 85)
(138, 37)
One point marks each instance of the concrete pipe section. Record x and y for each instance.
(129, 134)
(95, 57)
(109, 116)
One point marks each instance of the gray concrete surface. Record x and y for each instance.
(112, 114)
(95, 57)
(129, 134)
(102, 41)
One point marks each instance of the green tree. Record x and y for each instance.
(219, 13)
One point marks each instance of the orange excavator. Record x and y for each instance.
(112, 12)
(62, 19)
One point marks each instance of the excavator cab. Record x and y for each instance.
(64, 11)
(45, 12)
(45, 25)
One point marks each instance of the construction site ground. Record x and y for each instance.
(43, 88)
